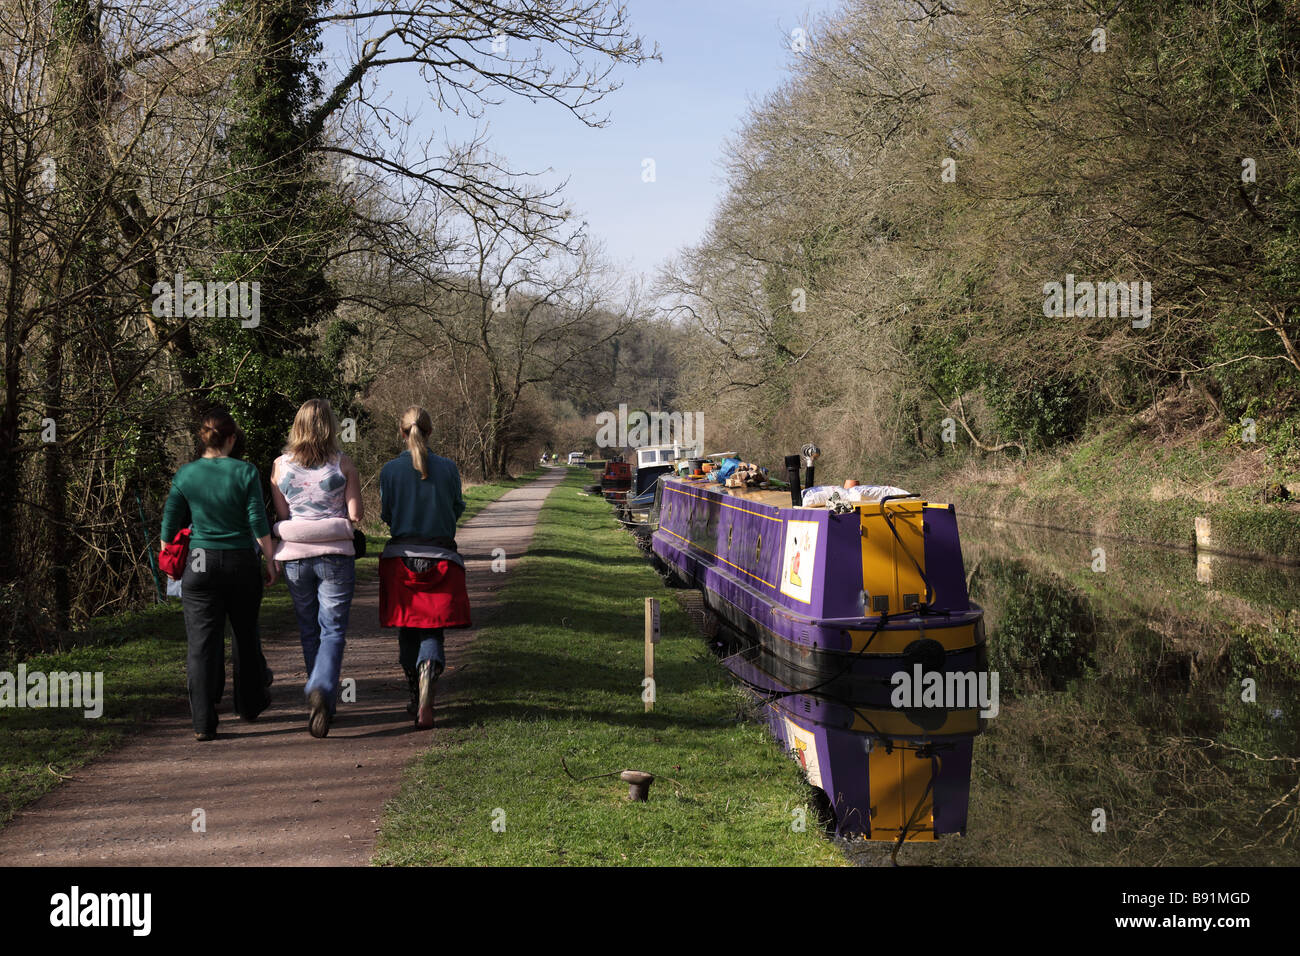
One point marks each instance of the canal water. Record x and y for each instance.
(1150, 707)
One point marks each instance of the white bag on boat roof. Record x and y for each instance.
(873, 492)
(819, 495)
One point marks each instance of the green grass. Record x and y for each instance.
(558, 676)
(142, 657)
(37, 746)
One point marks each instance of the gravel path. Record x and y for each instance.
(269, 793)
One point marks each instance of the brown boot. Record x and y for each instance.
(318, 724)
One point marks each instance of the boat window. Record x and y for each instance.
(758, 548)
(730, 528)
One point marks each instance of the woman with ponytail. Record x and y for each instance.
(421, 574)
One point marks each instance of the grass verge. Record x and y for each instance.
(557, 675)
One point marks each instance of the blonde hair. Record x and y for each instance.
(417, 426)
(314, 438)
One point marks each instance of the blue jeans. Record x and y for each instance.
(321, 588)
(415, 645)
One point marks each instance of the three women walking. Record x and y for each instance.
(316, 495)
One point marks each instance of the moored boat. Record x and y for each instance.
(616, 480)
(838, 603)
(653, 462)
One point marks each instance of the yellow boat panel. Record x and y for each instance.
(889, 641)
(897, 782)
(892, 565)
(896, 723)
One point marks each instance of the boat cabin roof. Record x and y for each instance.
(661, 454)
(764, 496)
(772, 497)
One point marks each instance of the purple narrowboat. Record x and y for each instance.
(829, 609)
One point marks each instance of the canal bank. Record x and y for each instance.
(1212, 494)
(1268, 533)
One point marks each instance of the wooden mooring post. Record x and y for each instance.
(651, 639)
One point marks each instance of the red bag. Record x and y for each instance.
(171, 559)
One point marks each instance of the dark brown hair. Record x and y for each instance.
(216, 428)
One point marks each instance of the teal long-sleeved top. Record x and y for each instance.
(422, 508)
(221, 498)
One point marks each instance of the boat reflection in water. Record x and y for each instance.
(853, 627)
(884, 773)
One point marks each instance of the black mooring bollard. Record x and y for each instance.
(638, 784)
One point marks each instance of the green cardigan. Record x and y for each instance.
(221, 498)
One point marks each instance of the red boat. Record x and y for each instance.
(615, 481)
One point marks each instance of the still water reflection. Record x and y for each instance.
(1143, 691)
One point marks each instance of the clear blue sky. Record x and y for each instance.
(718, 56)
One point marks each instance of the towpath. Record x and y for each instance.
(269, 793)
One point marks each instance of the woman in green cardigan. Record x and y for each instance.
(220, 497)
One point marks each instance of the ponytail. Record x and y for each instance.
(417, 426)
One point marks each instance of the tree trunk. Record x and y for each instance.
(56, 483)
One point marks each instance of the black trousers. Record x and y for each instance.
(228, 587)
